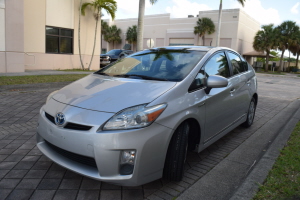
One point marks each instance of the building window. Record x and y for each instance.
(59, 40)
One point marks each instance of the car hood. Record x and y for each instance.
(111, 94)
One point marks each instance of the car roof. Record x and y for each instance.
(199, 48)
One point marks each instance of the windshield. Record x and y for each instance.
(158, 64)
(114, 52)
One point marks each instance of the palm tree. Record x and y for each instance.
(141, 23)
(79, 46)
(110, 6)
(204, 25)
(265, 40)
(113, 35)
(104, 28)
(295, 48)
(286, 37)
(131, 35)
(219, 21)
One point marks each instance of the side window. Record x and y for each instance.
(217, 65)
(236, 63)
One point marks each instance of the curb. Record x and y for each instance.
(257, 176)
(230, 179)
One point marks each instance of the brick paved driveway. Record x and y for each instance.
(26, 174)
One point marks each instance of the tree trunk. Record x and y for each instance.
(203, 38)
(289, 59)
(281, 63)
(79, 47)
(95, 38)
(140, 25)
(297, 59)
(219, 25)
(267, 62)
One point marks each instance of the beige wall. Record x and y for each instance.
(247, 29)
(63, 14)
(2, 25)
(14, 37)
(60, 13)
(34, 26)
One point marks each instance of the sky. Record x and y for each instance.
(264, 11)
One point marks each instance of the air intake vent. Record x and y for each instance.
(51, 118)
(78, 127)
(73, 156)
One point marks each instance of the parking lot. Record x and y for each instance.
(26, 174)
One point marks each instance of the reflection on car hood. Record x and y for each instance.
(111, 94)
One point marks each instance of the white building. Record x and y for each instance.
(237, 30)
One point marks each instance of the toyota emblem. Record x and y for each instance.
(60, 119)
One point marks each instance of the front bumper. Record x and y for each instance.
(105, 148)
(105, 62)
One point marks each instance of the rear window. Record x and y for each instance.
(168, 64)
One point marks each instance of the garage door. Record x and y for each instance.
(181, 42)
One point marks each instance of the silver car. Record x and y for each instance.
(133, 121)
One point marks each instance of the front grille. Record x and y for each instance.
(73, 156)
(79, 127)
(51, 118)
(70, 125)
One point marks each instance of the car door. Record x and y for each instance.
(220, 102)
(239, 81)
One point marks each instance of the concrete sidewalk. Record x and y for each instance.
(238, 176)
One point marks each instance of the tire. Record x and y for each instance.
(250, 113)
(176, 155)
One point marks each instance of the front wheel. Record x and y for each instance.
(176, 155)
(250, 114)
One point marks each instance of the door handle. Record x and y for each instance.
(232, 91)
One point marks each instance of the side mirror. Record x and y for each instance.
(215, 81)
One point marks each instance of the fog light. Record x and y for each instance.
(128, 157)
(127, 162)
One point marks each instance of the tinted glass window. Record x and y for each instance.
(199, 81)
(59, 40)
(217, 65)
(245, 64)
(237, 64)
(167, 64)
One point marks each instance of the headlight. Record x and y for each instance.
(134, 117)
(50, 95)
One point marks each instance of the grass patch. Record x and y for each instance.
(283, 181)
(76, 70)
(16, 80)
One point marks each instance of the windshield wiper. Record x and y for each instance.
(141, 76)
(101, 73)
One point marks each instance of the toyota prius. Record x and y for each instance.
(133, 121)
